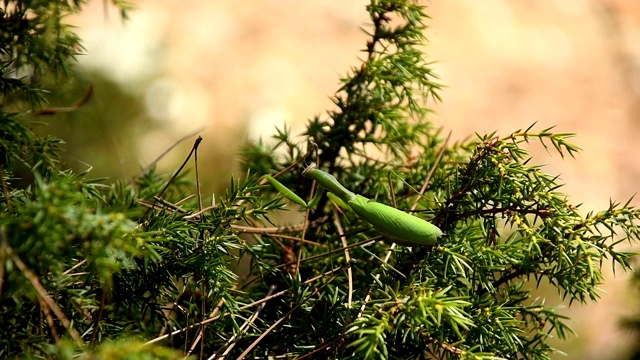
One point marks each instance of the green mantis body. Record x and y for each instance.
(398, 226)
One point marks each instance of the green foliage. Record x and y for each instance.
(35, 42)
(508, 227)
(144, 269)
(124, 350)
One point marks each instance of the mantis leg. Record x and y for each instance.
(339, 201)
(292, 196)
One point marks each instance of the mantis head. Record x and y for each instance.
(307, 171)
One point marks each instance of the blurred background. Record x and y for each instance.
(238, 69)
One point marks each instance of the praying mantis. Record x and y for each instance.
(396, 225)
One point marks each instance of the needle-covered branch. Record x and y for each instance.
(77, 262)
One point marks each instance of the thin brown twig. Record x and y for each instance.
(80, 263)
(96, 323)
(186, 137)
(258, 302)
(50, 322)
(247, 229)
(273, 326)
(542, 213)
(305, 223)
(233, 340)
(198, 213)
(272, 231)
(187, 198)
(203, 286)
(199, 193)
(170, 309)
(294, 238)
(278, 229)
(314, 257)
(283, 318)
(169, 204)
(73, 107)
(42, 292)
(199, 337)
(377, 277)
(322, 347)
(433, 170)
(347, 256)
(193, 149)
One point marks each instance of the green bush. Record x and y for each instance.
(142, 269)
